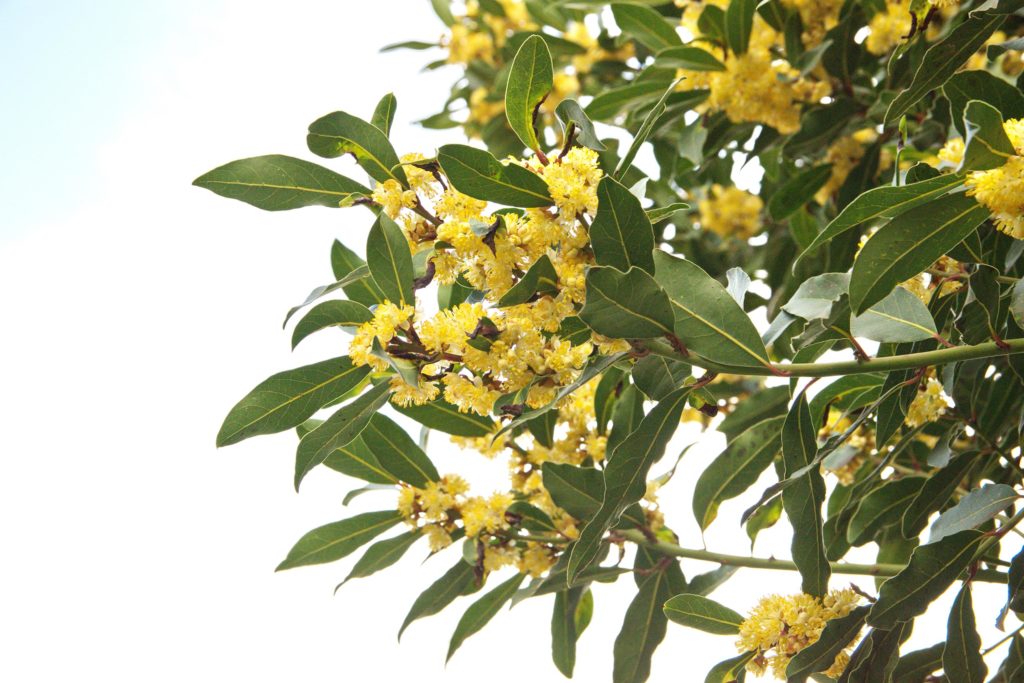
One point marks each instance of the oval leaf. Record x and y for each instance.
(389, 260)
(626, 305)
(340, 133)
(704, 614)
(973, 510)
(621, 234)
(475, 172)
(529, 82)
(336, 540)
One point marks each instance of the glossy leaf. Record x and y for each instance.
(529, 82)
(384, 113)
(621, 234)
(701, 613)
(336, 540)
(626, 305)
(482, 611)
(356, 459)
(444, 417)
(899, 317)
(338, 313)
(277, 183)
(475, 172)
(646, 26)
(289, 398)
(389, 260)
(571, 114)
(986, 143)
(340, 133)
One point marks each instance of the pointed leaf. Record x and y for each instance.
(646, 26)
(457, 581)
(529, 82)
(961, 658)
(482, 611)
(564, 633)
(689, 58)
(820, 655)
(899, 317)
(541, 278)
(882, 507)
(986, 144)
(356, 459)
(658, 376)
(732, 670)
(571, 114)
(916, 666)
(336, 540)
(935, 492)
(383, 554)
(475, 172)
(444, 417)
(384, 113)
(701, 613)
(643, 629)
(797, 191)
(340, 133)
(626, 305)
(389, 260)
(973, 510)
(397, 453)
(338, 313)
(345, 262)
(739, 23)
(621, 234)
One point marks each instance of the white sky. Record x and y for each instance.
(138, 309)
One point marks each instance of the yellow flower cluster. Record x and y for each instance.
(731, 212)
(1001, 189)
(928, 405)
(889, 27)
(817, 16)
(844, 154)
(860, 445)
(757, 86)
(780, 626)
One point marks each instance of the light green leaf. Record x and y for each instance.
(621, 234)
(973, 510)
(340, 133)
(899, 317)
(389, 260)
(287, 399)
(814, 298)
(336, 540)
(626, 305)
(338, 430)
(475, 172)
(339, 313)
(529, 82)
(802, 499)
(736, 469)
(732, 670)
(701, 613)
(383, 554)
(277, 183)
(646, 26)
(482, 611)
(707, 319)
(910, 243)
(932, 569)
(384, 113)
(660, 213)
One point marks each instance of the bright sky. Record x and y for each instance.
(139, 309)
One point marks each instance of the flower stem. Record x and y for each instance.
(638, 537)
(907, 361)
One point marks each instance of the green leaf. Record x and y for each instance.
(797, 191)
(577, 490)
(707, 319)
(336, 540)
(646, 26)
(482, 611)
(909, 244)
(339, 313)
(531, 517)
(397, 453)
(277, 183)
(383, 554)
(689, 58)
(339, 133)
(1012, 668)
(916, 666)
(564, 633)
(610, 103)
(475, 172)
(643, 132)
(932, 569)
(846, 393)
(820, 655)
(943, 59)
(814, 298)
(820, 126)
(660, 213)
(571, 114)
(355, 459)
(973, 510)
(701, 613)
(803, 498)
(541, 278)
(899, 317)
(884, 202)
(882, 507)
(443, 10)
(344, 263)
(626, 305)
(457, 581)
(739, 23)
(444, 417)
(961, 658)
(732, 670)
(643, 629)
(625, 476)
(965, 86)
(876, 656)
(935, 492)
(287, 399)
(621, 234)
(658, 376)
(384, 113)
(770, 402)
(361, 274)
(529, 82)
(736, 469)
(338, 430)
(986, 143)
(390, 262)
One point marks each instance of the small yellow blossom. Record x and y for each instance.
(889, 27)
(928, 405)
(1001, 189)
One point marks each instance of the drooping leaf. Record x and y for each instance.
(457, 581)
(564, 633)
(397, 453)
(899, 317)
(626, 305)
(344, 263)
(340, 133)
(961, 658)
(701, 613)
(986, 143)
(529, 82)
(336, 540)
(288, 398)
(646, 26)
(973, 510)
(482, 611)
(338, 430)
(643, 628)
(736, 469)
(965, 86)
(814, 298)
(475, 172)
(819, 655)
(389, 260)
(882, 507)
(621, 234)
(935, 492)
(383, 554)
(910, 243)
(733, 670)
(932, 569)
(277, 183)
(803, 499)
(338, 313)
(916, 666)
(707, 319)
(444, 417)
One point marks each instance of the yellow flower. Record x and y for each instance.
(818, 16)
(731, 212)
(572, 182)
(928, 405)
(465, 45)
(952, 153)
(1001, 189)
(781, 626)
(889, 27)
(844, 154)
